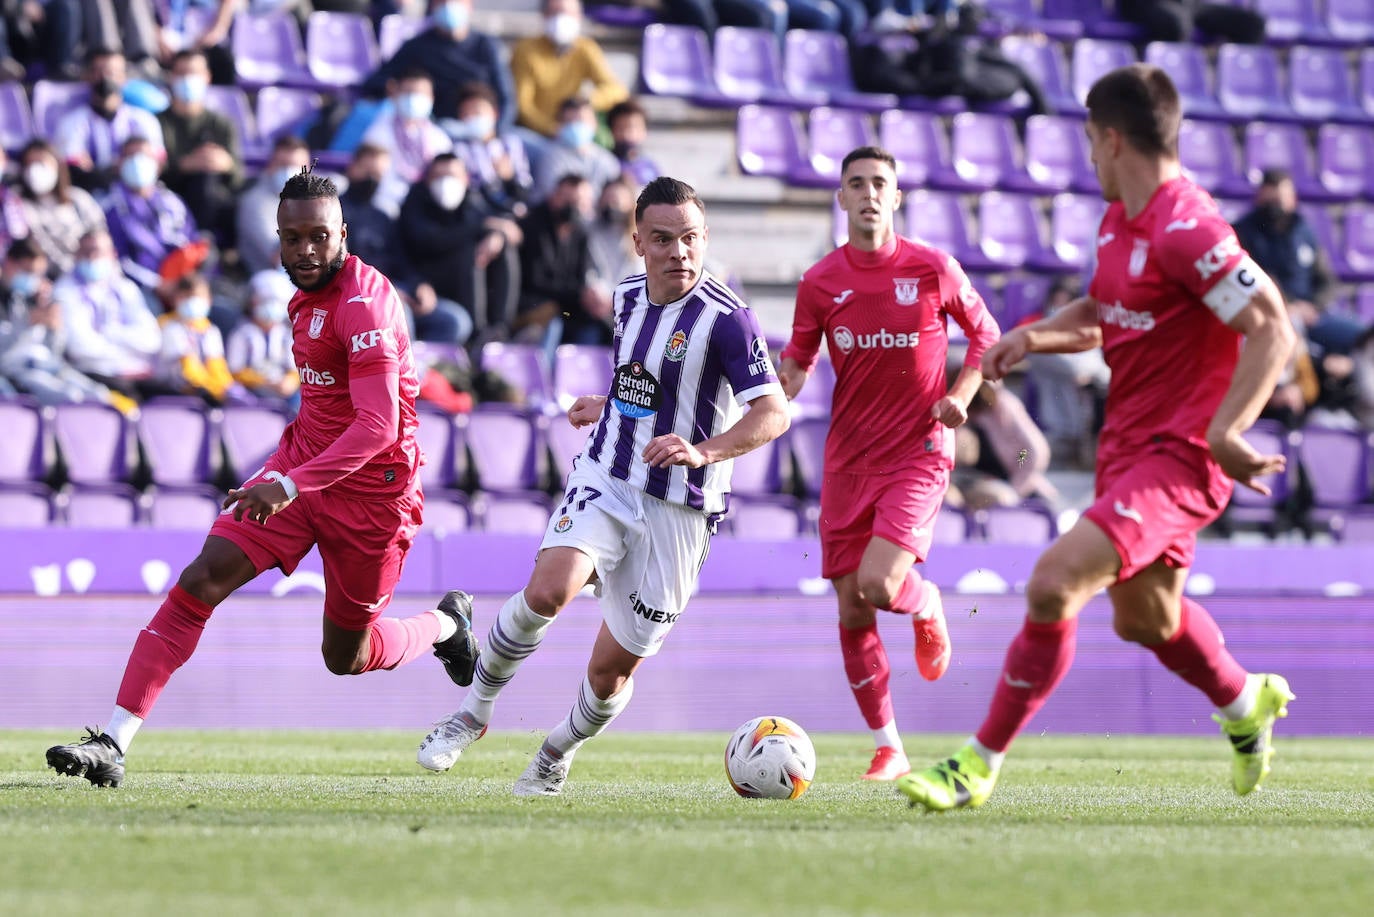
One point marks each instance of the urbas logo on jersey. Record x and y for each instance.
(315, 377)
(1216, 258)
(1119, 315)
(636, 392)
(882, 339)
(369, 339)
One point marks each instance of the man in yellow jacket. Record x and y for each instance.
(549, 68)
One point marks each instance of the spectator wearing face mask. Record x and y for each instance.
(259, 350)
(497, 161)
(12, 223)
(258, 245)
(561, 301)
(576, 151)
(453, 53)
(204, 151)
(56, 213)
(192, 360)
(549, 68)
(112, 336)
(147, 222)
(460, 248)
(629, 127)
(407, 131)
(89, 137)
(610, 235)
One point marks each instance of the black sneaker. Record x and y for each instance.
(459, 652)
(96, 757)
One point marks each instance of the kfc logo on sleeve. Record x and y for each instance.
(368, 339)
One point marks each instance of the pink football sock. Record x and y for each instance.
(911, 598)
(161, 648)
(395, 641)
(1197, 654)
(1037, 661)
(865, 665)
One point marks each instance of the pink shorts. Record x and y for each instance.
(899, 507)
(363, 546)
(1152, 502)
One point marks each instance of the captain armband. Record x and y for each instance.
(1233, 292)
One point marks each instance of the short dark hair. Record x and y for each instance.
(188, 283)
(131, 142)
(94, 54)
(476, 90)
(625, 109)
(1141, 102)
(1273, 177)
(24, 248)
(445, 157)
(570, 178)
(186, 54)
(572, 103)
(869, 152)
(666, 190)
(413, 73)
(308, 185)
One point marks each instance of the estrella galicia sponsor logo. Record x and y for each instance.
(635, 391)
(314, 377)
(677, 346)
(760, 365)
(562, 525)
(656, 615)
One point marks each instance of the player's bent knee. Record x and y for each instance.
(199, 580)
(606, 683)
(1050, 593)
(548, 600)
(878, 591)
(1145, 632)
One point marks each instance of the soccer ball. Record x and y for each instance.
(770, 757)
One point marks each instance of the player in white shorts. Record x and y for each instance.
(645, 492)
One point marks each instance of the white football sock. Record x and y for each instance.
(122, 727)
(590, 715)
(447, 626)
(887, 735)
(1242, 706)
(994, 759)
(515, 635)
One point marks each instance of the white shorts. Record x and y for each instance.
(647, 553)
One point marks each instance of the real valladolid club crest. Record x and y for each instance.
(1138, 256)
(677, 346)
(906, 290)
(317, 322)
(563, 525)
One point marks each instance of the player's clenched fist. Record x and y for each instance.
(950, 411)
(1010, 349)
(585, 410)
(259, 502)
(671, 449)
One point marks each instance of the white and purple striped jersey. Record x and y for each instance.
(688, 368)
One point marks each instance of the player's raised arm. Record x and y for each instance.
(1072, 329)
(768, 418)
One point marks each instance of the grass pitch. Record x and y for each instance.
(336, 823)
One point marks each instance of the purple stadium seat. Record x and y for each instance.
(190, 509)
(341, 48)
(768, 142)
(1092, 14)
(1025, 14)
(938, 219)
(1023, 295)
(523, 366)
(1288, 21)
(1207, 150)
(1011, 232)
(441, 443)
(446, 513)
(1249, 507)
(1093, 57)
(620, 17)
(1057, 155)
(764, 519)
(984, 150)
(1045, 62)
(232, 102)
(1328, 238)
(756, 473)
(1364, 304)
(833, 132)
(1187, 65)
(505, 446)
(1016, 525)
(1250, 83)
(807, 441)
(1358, 248)
(1351, 21)
(94, 441)
(515, 514)
(281, 110)
(676, 61)
(1074, 220)
(25, 506)
(1282, 146)
(250, 435)
(565, 443)
(951, 527)
(1319, 85)
(1343, 163)
(16, 120)
(395, 30)
(108, 506)
(817, 64)
(1366, 82)
(1358, 527)
(917, 141)
(815, 397)
(177, 436)
(748, 68)
(23, 447)
(268, 51)
(52, 100)
(1337, 465)
(580, 369)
